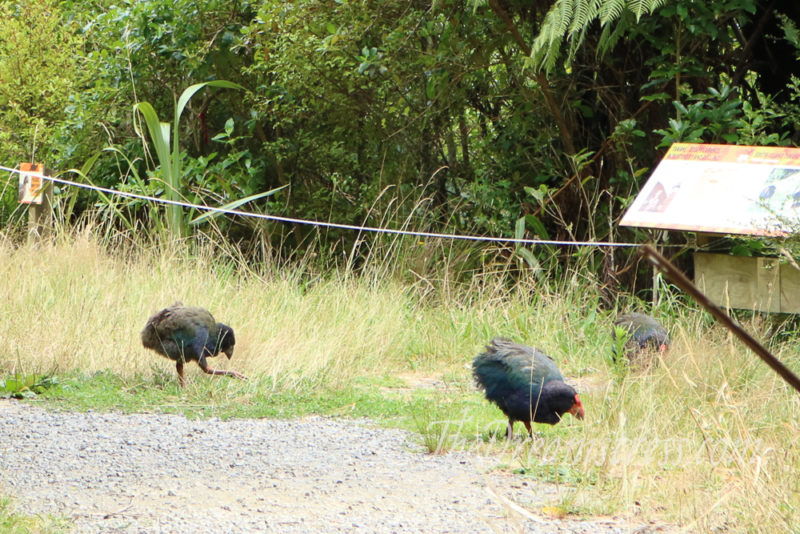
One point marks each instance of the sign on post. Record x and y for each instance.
(728, 189)
(36, 191)
(30, 183)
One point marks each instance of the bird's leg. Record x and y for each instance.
(510, 429)
(528, 428)
(179, 367)
(208, 370)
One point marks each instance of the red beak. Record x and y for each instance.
(577, 408)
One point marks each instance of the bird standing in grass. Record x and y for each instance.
(643, 334)
(189, 334)
(525, 384)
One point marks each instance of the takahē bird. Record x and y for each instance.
(525, 384)
(644, 333)
(184, 334)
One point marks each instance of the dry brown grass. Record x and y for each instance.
(70, 306)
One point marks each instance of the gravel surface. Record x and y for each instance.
(165, 473)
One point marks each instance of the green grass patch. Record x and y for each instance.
(13, 522)
(20, 386)
(255, 398)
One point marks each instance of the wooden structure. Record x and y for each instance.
(37, 192)
(726, 189)
(765, 284)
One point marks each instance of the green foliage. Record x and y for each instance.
(170, 158)
(406, 120)
(617, 358)
(426, 117)
(713, 118)
(750, 247)
(20, 386)
(235, 204)
(40, 72)
(150, 50)
(570, 20)
(559, 474)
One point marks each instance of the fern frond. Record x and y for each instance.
(584, 14)
(548, 42)
(565, 10)
(790, 30)
(611, 10)
(569, 20)
(611, 35)
(644, 7)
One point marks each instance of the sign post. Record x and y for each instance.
(37, 192)
(729, 190)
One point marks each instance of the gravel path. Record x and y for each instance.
(164, 473)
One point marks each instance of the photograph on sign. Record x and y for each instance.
(30, 183)
(721, 189)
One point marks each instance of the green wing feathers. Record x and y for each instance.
(507, 366)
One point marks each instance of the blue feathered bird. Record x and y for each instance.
(525, 384)
(184, 334)
(643, 333)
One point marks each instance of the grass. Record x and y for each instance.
(13, 522)
(704, 440)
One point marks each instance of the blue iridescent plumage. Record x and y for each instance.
(189, 334)
(525, 384)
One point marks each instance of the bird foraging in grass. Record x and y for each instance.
(643, 334)
(184, 334)
(525, 384)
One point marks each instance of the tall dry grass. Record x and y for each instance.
(69, 305)
(73, 303)
(705, 439)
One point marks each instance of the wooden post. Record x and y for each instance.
(37, 192)
(656, 295)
